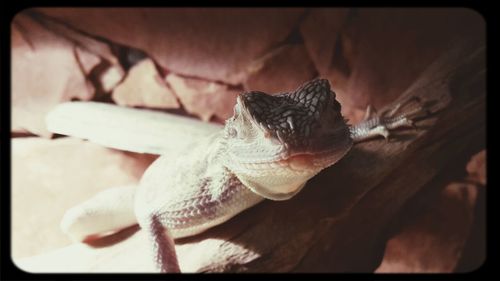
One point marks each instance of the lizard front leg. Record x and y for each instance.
(185, 201)
(389, 120)
(162, 246)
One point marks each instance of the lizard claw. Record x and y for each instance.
(369, 112)
(391, 112)
(407, 117)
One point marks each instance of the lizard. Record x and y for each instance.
(268, 149)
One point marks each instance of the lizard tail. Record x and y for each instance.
(163, 246)
(107, 212)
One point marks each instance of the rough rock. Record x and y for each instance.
(102, 74)
(38, 56)
(79, 38)
(362, 52)
(110, 77)
(204, 98)
(51, 176)
(282, 70)
(215, 44)
(320, 31)
(144, 87)
(101, 64)
(433, 241)
(88, 61)
(477, 167)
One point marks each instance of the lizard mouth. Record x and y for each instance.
(304, 162)
(308, 161)
(319, 159)
(321, 154)
(315, 161)
(284, 178)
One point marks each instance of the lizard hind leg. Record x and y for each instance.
(108, 211)
(162, 246)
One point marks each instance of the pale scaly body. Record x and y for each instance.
(269, 149)
(203, 193)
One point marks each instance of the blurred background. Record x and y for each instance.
(193, 62)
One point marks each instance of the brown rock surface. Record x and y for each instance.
(216, 44)
(95, 56)
(110, 77)
(203, 98)
(477, 167)
(283, 70)
(433, 241)
(79, 38)
(45, 72)
(103, 75)
(51, 176)
(320, 31)
(372, 55)
(87, 61)
(144, 87)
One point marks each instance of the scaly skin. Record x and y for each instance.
(269, 149)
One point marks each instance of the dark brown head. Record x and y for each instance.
(276, 143)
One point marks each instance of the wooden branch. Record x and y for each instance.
(335, 223)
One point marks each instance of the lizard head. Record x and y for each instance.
(275, 143)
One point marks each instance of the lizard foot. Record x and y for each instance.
(401, 115)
